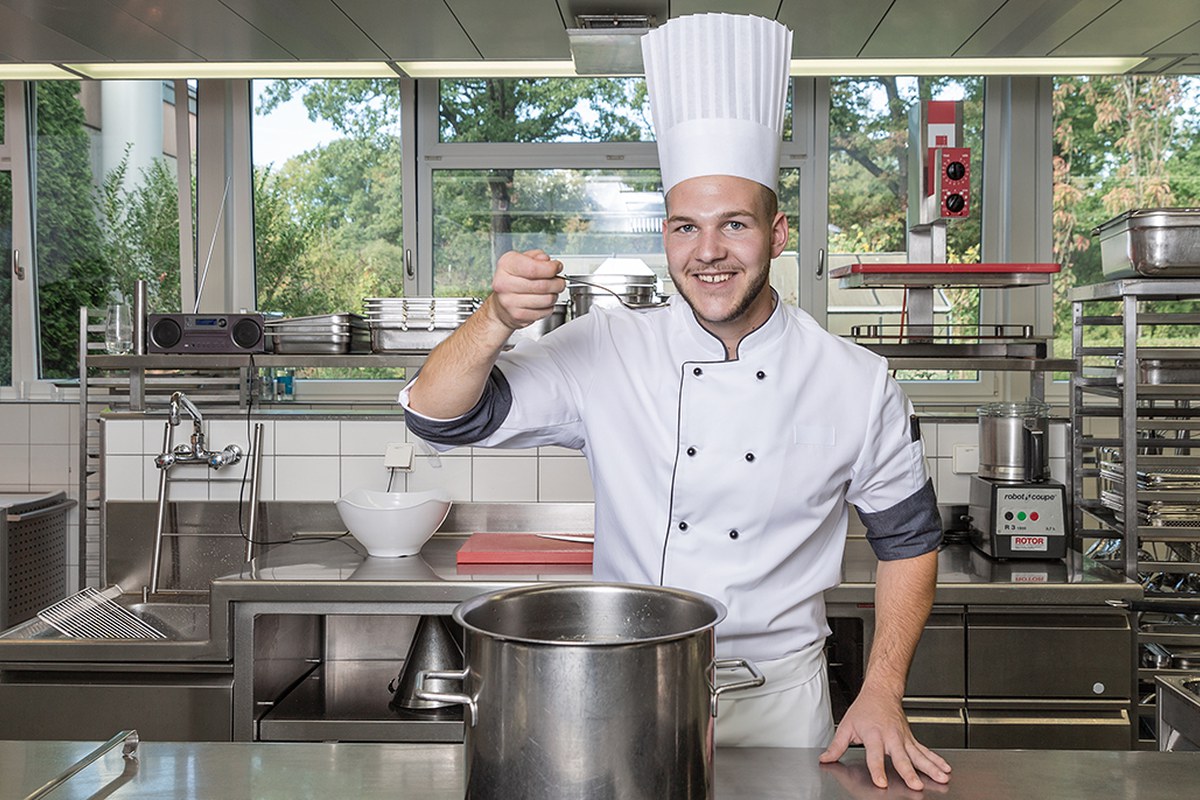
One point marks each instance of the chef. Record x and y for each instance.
(726, 433)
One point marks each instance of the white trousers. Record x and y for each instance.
(790, 710)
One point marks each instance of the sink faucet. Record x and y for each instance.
(195, 452)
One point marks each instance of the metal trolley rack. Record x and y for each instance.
(1135, 409)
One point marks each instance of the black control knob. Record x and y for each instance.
(955, 171)
(955, 203)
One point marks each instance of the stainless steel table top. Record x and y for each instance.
(431, 772)
(319, 570)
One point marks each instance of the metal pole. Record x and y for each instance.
(255, 472)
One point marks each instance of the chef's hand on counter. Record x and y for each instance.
(877, 722)
(525, 288)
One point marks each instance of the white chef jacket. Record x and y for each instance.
(726, 477)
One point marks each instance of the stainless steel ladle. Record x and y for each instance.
(573, 281)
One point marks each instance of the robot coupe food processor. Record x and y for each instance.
(1016, 510)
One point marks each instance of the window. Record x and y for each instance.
(1120, 143)
(328, 220)
(105, 206)
(868, 201)
(579, 216)
(544, 110)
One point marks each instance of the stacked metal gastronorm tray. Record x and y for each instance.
(324, 334)
(414, 324)
(1168, 487)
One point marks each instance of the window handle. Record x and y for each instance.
(408, 267)
(18, 270)
(820, 262)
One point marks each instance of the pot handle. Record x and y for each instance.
(758, 678)
(445, 697)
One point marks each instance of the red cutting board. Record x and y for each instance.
(522, 548)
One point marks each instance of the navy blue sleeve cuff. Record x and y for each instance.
(477, 424)
(908, 529)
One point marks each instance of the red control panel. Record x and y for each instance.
(948, 177)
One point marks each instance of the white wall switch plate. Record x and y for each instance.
(398, 456)
(966, 459)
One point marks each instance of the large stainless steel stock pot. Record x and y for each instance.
(596, 690)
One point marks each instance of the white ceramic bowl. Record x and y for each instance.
(393, 524)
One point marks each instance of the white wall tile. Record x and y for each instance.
(453, 475)
(152, 433)
(929, 435)
(123, 437)
(73, 422)
(50, 423)
(185, 481)
(14, 423)
(370, 437)
(123, 477)
(952, 487)
(952, 433)
(224, 432)
(504, 480)
(50, 464)
(311, 478)
(564, 480)
(368, 472)
(14, 464)
(304, 438)
(226, 484)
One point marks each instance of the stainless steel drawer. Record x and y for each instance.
(90, 706)
(1070, 654)
(939, 663)
(1048, 728)
(937, 727)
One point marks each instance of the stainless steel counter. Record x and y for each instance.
(431, 772)
(319, 570)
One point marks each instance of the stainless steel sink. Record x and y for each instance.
(1178, 704)
(186, 624)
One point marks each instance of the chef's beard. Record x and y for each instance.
(757, 285)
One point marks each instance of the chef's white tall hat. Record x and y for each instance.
(718, 84)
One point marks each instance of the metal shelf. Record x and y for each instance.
(1147, 413)
(235, 361)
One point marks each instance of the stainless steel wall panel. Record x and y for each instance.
(27, 40)
(1031, 27)
(309, 29)
(926, 28)
(208, 28)
(532, 30)
(103, 28)
(830, 30)
(1132, 27)
(409, 30)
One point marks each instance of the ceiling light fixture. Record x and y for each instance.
(234, 69)
(863, 67)
(34, 72)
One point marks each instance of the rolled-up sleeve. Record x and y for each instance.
(890, 485)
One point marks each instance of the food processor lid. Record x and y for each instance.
(1026, 408)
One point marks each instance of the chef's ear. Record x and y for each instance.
(779, 234)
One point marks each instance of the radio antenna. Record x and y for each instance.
(211, 245)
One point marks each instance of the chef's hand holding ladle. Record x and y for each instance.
(525, 288)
